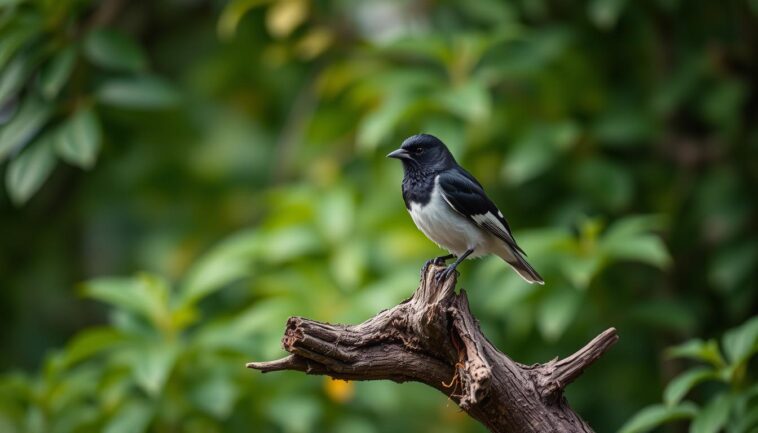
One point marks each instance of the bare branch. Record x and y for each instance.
(433, 338)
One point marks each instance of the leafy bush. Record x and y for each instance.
(57, 71)
(733, 404)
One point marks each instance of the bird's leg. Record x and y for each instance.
(442, 259)
(444, 275)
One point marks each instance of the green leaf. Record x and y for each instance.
(144, 295)
(557, 310)
(294, 414)
(713, 416)
(231, 260)
(535, 152)
(378, 124)
(78, 140)
(112, 49)
(629, 239)
(581, 269)
(336, 214)
(133, 417)
(698, 350)
(91, 342)
(27, 172)
(742, 342)
(24, 126)
(141, 92)
(471, 101)
(216, 395)
(153, 364)
(232, 14)
(682, 384)
(653, 416)
(748, 422)
(14, 76)
(289, 243)
(56, 72)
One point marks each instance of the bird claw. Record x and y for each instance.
(444, 274)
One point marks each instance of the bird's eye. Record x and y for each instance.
(419, 150)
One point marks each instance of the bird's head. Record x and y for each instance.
(424, 152)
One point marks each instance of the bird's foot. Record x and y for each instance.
(440, 261)
(444, 274)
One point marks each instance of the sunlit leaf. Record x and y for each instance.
(284, 16)
(653, 416)
(27, 172)
(682, 384)
(78, 140)
(112, 49)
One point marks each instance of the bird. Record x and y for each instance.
(451, 208)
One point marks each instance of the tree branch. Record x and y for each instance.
(433, 338)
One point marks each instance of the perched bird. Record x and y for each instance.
(451, 208)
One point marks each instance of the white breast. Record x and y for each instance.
(448, 228)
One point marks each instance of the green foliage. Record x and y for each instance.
(618, 138)
(731, 406)
(46, 85)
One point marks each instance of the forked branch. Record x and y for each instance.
(433, 338)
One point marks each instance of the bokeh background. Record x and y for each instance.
(180, 176)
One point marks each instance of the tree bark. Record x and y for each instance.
(434, 339)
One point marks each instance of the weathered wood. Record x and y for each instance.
(434, 339)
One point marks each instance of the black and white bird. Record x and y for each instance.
(451, 208)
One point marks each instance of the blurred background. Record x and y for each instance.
(180, 176)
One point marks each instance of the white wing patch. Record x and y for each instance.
(489, 220)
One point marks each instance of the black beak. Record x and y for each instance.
(399, 154)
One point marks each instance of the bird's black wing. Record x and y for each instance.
(467, 197)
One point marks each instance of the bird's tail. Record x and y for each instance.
(521, 266)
